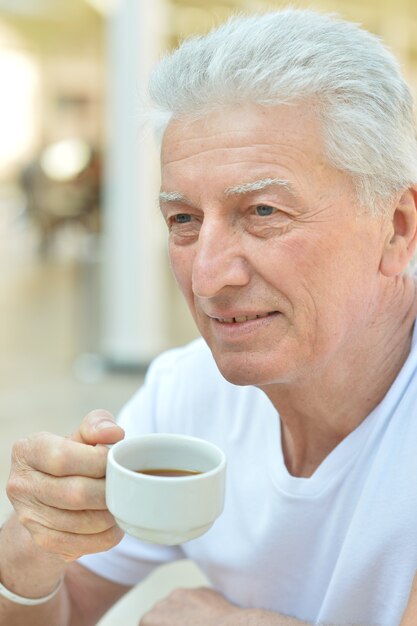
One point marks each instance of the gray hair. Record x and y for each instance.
(292, 56)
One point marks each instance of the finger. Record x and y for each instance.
(59, 456)
(71, 493)
(98, 426)
(76, 522)
(71, 546)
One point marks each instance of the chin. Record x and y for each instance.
(246, 370)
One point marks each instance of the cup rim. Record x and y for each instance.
(172, 436)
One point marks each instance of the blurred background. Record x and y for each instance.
(86, 296)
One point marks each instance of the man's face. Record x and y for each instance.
(277, 264)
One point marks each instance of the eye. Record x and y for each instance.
(263, 210)
(182, 218)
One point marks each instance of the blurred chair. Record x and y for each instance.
(62, 185)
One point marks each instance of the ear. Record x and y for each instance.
(401, 240)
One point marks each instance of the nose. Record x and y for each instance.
(219, 261)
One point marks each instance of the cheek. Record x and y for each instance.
(322, 281)
(338, 282)
(318, 259)
(181, 263)
(297, 264)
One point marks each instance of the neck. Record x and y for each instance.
(320, 410)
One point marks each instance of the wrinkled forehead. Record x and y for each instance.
(242, 127)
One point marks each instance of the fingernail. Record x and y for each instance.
(104, 424)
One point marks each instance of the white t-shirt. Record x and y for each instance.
(339, 547)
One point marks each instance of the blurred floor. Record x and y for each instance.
(47, 309)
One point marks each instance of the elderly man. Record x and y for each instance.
(289, 164)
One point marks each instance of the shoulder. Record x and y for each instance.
(195, 356)
(185, 392)
(188, 377)
(183, 387)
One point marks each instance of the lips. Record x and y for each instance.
(243, 318)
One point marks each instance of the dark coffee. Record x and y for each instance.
(170, 473)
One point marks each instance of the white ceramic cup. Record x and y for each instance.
(159, 509)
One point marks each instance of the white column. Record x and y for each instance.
(134, 307)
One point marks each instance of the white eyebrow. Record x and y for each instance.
(258, 185)
(242, 188)
(172, 196)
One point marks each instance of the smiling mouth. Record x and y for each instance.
(244, 318)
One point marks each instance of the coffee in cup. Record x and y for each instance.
(165, 488)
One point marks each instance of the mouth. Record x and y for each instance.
(244, 318)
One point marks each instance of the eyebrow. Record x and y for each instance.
(240, 189)
(258, 185)
(173, 196)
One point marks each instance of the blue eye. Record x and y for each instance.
(263, 210)
(182, 218)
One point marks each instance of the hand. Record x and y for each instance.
(206, 607)
(192, 607)
(57, 487)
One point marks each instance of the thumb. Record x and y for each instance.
(98, 426)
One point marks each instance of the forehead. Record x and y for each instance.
(232, 125)
(247, 143)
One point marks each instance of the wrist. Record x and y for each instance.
(25, 569)
(24, 601)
